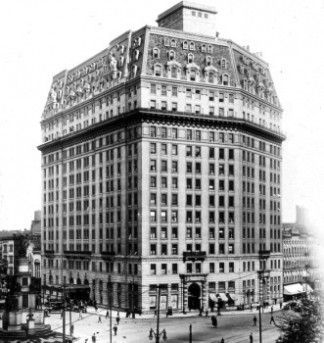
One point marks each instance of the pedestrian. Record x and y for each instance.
(107, 314)
(255, 320)
(214, 321)
(271, 310)
(115, 330)
(222, 340)
(272, 320)
(251, 338)
(72, 330)
(99, 319)
(117, 319)
(280, 305)
(93, 338)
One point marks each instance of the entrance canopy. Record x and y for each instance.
(294, 289)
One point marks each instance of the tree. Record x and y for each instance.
(301, 322)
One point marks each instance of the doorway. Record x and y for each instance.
(194, 296)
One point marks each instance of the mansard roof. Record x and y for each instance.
(131, 55)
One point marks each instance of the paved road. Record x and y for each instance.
(234, 328)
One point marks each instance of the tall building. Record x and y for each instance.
(161, 161)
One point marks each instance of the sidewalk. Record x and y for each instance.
(103, 311)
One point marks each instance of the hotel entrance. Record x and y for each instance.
(194, 297)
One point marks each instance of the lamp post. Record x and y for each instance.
(157, 333)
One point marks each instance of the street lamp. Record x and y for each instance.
(158, 333)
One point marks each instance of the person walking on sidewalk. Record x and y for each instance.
(251, 338)
(115, 329)
(222, 340)
(272, 320)
(117, 319)
(255, 321)
(107, 314)
(99, 319)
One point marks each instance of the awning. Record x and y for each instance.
(222, 296)
(212, 297)
(232, 296)
(293, 289)
(307, 288)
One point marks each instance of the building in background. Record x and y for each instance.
(35, 227)
(161, 164)
(300, 267)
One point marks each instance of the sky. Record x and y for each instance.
(40, 38)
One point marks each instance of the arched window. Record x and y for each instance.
(185, 45)
(225, 80)
(173, 43)
(171, 55)
(190, 58)
(156, 53)
(157, 70)
(208, 60)
(192, 46)
(210, 48)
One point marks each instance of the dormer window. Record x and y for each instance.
(208, 60)
(185, 45)
(174, 72)
(134, 70)
(157, 70)
(225, 80)
(171, 55)
(223, 63)
(173, 43)
(203, 48)
(156, 53)
(192, 46)
(136, 54)
(190, 58)
(193, 75)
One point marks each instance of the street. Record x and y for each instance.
(233, 327)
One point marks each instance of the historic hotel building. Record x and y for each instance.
(161, 161)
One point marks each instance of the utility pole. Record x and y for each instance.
(157, 336)
(70, 318)
(63, 313)
(110, 295)
(190, 333)
(260, 324)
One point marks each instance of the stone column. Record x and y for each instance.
(185, 296)
(204, 300)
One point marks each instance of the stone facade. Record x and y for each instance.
(161, 169)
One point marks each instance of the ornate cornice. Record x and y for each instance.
(173, 118)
